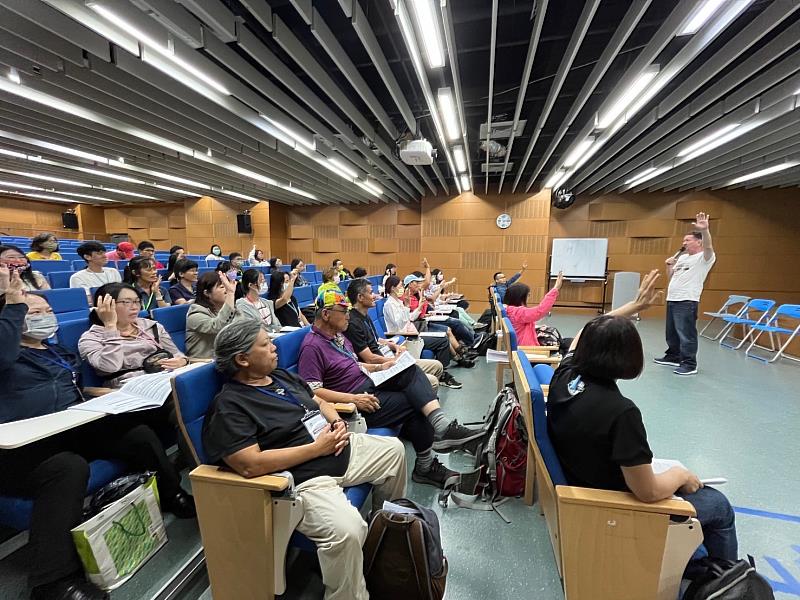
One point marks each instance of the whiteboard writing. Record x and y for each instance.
(579, 257)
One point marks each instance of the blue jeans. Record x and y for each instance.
(717, 519)
(682, 332)
(461, 332)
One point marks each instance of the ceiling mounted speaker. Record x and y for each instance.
(562, 198)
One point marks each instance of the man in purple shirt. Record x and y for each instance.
(331, 368)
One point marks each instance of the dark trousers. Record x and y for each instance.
(462, 333)
(682, 332)
(54, 472)
(718, 521)
(402, 399)
(440, 346)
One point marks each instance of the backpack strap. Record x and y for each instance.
(415, 539)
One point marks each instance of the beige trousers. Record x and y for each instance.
(432, 369)
(335, 525)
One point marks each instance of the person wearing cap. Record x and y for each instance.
(265, 420)
(124, 251)
(407, 401)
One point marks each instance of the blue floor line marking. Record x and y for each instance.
(755, 512)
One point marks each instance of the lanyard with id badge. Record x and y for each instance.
(55, 359)
(312, 420)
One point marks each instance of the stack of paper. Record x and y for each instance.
(404, 361)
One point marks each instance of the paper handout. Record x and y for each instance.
(404, 361)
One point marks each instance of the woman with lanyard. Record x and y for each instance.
(252, 305)
(259, 424)
(142, 274)
(281, 289)
(41, 378)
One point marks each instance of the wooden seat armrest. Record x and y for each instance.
(94, 392)
(621, 501)
(541, 349)
(344, 407)
(542, 358)
(212, 474)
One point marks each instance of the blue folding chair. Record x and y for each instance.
(310, 267)
(288, 346)
(747, 320)
(725, 311)
(304, 296)
(48, 266)
(343, 285)
(60, 279)
(376, 316)
(775, 329)
(69, 333)
(173, 319)
(68, 304)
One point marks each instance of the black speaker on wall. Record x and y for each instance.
(69, 220)
(244, 224)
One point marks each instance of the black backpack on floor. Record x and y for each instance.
(729, 580)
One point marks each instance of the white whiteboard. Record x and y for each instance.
(579, 257)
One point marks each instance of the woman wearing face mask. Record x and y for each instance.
(251, 305)
(330, 280)
(213, 308)
(439, 285)
(42, 378)
(142, 274)
(399, 318)
(255, 258)
(281, 292)
(44, 247)
(215, 253)
(14, 259)
(182, 291)
(389, 271)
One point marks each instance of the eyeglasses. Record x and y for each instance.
(127, 303)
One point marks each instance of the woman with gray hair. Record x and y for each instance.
(265, 419)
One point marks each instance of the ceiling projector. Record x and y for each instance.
(416, 152)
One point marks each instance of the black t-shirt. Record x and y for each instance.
(361, 333)
(178, 292)
(594, 431)
(289, 314)
(241, 416)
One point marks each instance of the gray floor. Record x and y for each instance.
(737, 418)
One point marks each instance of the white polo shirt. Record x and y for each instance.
(89, 279)
(688, 276)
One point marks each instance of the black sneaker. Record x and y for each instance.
(667, 361)
(455, 436)
(479, 326)
(437, 475)
(465, 362)
(685, 370)
(448, 380)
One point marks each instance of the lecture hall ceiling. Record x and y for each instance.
(305, 101)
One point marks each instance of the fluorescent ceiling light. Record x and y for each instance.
(447, 109)
(627, 97)
(466, 184)
(369, 189)
(306, 140)
(578, 153)
(460, 158)
(764, 172)
(13, 75)
(70, 151)
(646, 175)
(239, 195)
(700, 16)
(46, 178)
(177, 190)
(126, 193)
(106, 174)
(171, 70)
(428, 26)
(21, 186)
(168, 53)
(5, 152)
(556, 179)
(374, 187)
(708, 139)
(41, 196)
(347, 170)
(250, 174)
(103, 198)
(298, 191)
(720, 140)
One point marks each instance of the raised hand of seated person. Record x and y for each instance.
(365, 402)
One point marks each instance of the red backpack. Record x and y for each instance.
(501, 457)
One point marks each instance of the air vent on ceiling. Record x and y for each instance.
(496, 167)
(502, 129)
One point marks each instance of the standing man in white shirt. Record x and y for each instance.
(96, 272)
(687, 271)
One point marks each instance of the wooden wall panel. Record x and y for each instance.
(21, 217)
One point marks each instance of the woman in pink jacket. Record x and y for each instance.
(523, 317)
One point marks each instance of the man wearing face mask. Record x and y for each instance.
(344, 274)
(237, 260)
(41, 378)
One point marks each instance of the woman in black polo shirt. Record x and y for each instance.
(266, 420)
(598, 433)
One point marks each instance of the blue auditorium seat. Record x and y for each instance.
(48, 266)
(68, 335)
(68, 304)
(304, 295)
(173, 318)
(60, 279)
